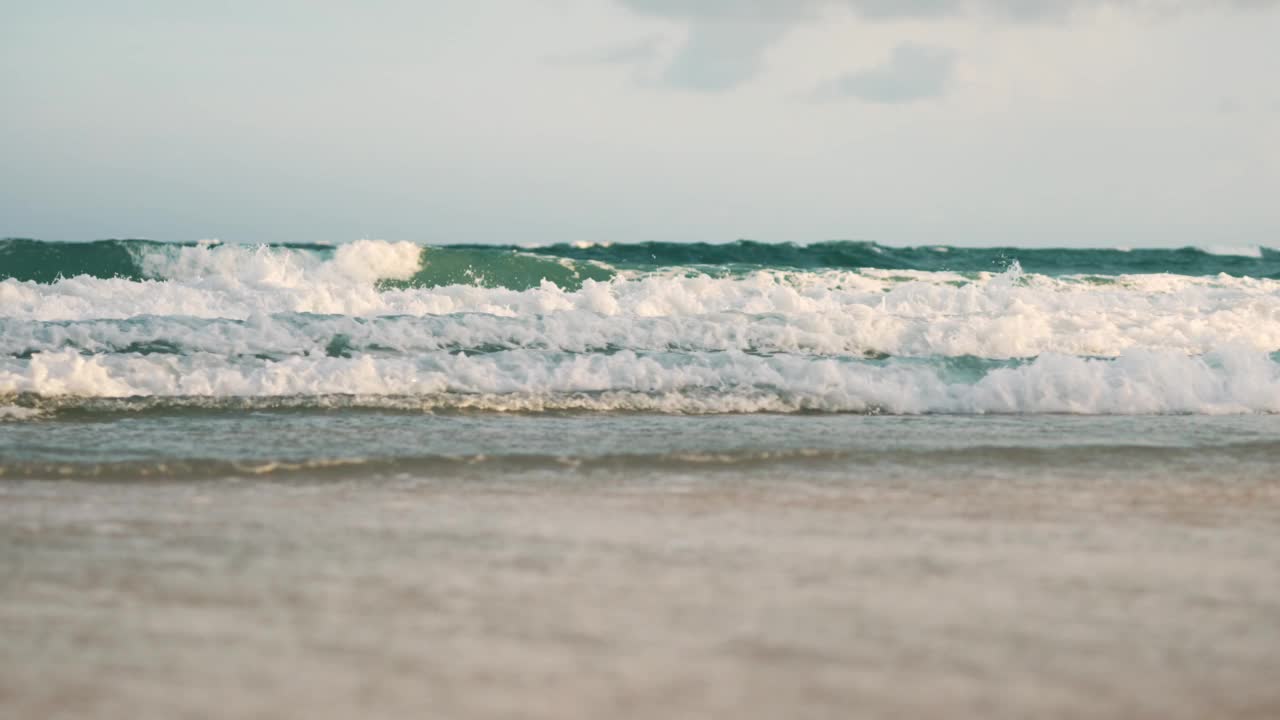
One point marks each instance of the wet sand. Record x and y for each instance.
(645, 596)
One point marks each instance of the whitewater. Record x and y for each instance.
(601, 328)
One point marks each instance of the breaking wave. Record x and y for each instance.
(743, 327)
(567, 265)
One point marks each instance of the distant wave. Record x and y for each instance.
(567, 265)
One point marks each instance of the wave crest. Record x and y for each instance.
(1235, 380)
(567, 265)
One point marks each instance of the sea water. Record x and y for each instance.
(638, 480)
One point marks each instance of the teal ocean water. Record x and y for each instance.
(133, 358)
(523, 267)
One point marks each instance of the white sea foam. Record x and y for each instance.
(16, 412)
(215, 265)
(258, 322)
(1249, 251)
(1234, 380)
(892, 312)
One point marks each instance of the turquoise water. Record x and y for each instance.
(520, 267)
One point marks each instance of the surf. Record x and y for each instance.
(737, 328)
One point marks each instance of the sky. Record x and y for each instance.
(969, 122)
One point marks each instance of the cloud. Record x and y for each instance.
(713, 10)
(719, 56)
(727, 39)
(1025, 10)
(642, 51)
(912, 73)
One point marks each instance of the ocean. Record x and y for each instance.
(649, 480)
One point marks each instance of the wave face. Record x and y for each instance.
(567, 265)
(737, 328)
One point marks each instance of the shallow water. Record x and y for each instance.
(110, 443)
